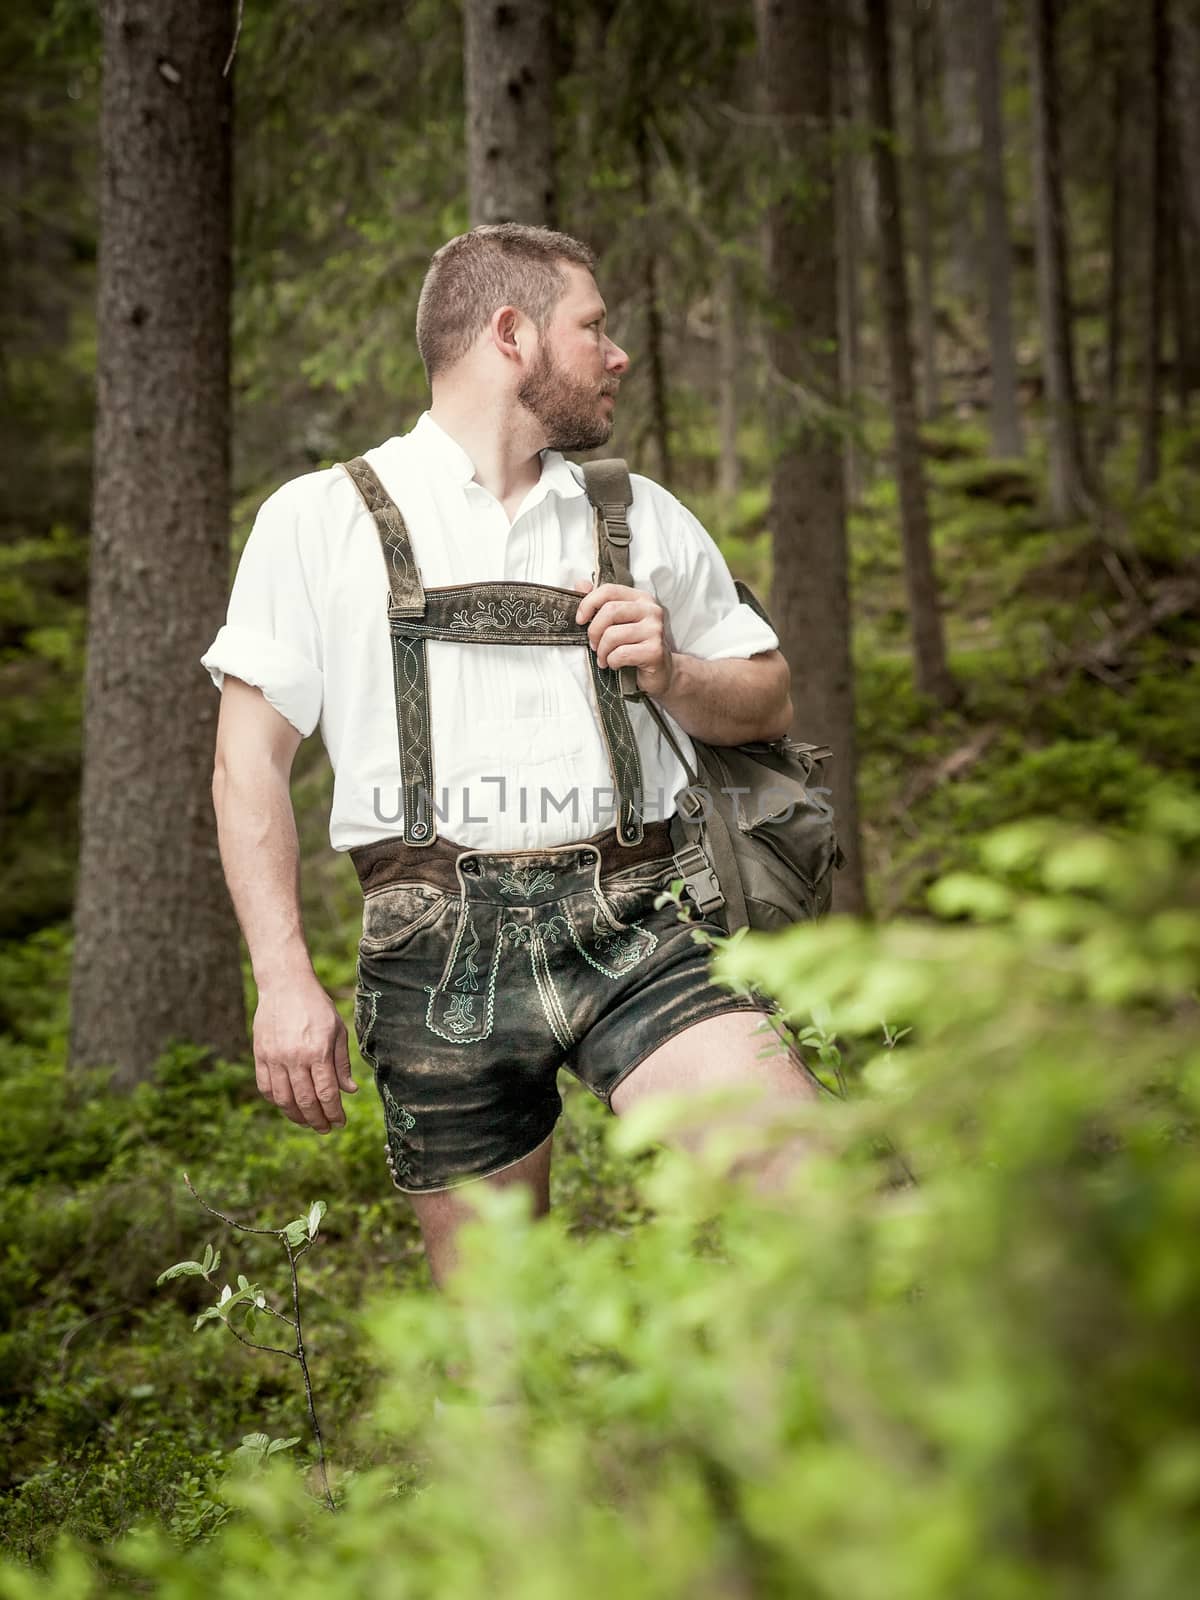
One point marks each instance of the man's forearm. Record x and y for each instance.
(730, 702)
(260, 852)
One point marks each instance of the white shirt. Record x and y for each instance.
(518, 756)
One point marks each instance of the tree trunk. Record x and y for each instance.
(920, 77)
(810, 591)
(729, 360)
(1184, 72)
(660, 415)
(1178, 268)
(156, 952)
(1069, 496)
(960, 144)
(1005, 412)
(1110, 430)
(1156, 231)
(850, 171)
(508, 52)
(929, 650)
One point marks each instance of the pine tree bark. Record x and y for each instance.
(156, 953)
(849, 170)
(1179, 273)
(929, 650)
(1184, 69)
(1069, 496)
(1004, 410)
(656, 366)
(508, 54)
(921, 80)
(1114, 298)
(960, 145)
(729, 360)
(810, 591)
(1156, 233)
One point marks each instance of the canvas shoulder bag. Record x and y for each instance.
(753, 827)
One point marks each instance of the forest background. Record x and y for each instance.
(910, 291)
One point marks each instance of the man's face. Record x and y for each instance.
(572, 384)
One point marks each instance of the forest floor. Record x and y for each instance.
(1078, 650)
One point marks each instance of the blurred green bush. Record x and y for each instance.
(979, 1383)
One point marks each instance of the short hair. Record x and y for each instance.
(496, 264)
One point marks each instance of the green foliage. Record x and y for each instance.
(1162, 519)
(979, 1382)
(41, 672)
(981, 1386)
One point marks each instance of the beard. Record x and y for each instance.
(567, 408)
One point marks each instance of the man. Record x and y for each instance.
(522, 936)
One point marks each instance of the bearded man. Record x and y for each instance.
(509, 922)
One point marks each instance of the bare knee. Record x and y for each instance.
(443, 1212)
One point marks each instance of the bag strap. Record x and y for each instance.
(611, 493)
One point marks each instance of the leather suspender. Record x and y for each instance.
(494, 613)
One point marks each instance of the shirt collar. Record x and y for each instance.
(436, 444)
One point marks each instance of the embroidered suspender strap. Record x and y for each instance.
(410, 668)
(482, 613)
(624, 757)
(406, 597)
(501, 613)
(539, 613)
(611, 494)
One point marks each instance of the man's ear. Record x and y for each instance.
(507, 331)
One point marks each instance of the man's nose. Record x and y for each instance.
(616, 360)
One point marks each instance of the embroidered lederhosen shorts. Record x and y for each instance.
(480, 974)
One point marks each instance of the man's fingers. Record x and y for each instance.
(341, 1062)
(281, 1093)
(626, 633)
(324, 1077)
(596, 597)
(633, 655)
(308, 1101)
(619, 613)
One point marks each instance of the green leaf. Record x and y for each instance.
(181, 1269)
(282, 1444)
(316, 1212)
(970, 894)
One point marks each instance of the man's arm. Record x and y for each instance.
(729, 702)
(722, 702)
(301, 1055)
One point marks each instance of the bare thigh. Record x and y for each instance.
(443, 1212)
(736, 1047)
(733, 1049)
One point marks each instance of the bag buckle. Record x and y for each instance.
(699, 878)
(615, 524)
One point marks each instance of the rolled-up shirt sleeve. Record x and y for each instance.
(272, 634)
(706, 617)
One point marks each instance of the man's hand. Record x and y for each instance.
(627, 628)
(301, 1055)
